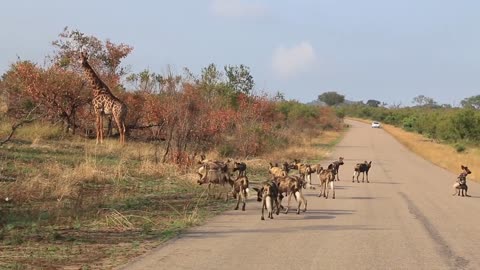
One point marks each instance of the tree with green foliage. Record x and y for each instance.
(471, 102)
(211, 75)
(423, 101)
(145, 81)
(373, 103)
(212, 82)
(332, 98)
(239, 79)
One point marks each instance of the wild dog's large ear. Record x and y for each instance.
(463, 167)
(341, 158)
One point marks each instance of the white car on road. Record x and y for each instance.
(375, 124)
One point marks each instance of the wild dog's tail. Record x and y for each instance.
(455, 187)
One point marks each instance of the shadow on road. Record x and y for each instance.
(386, 183)
(360, 198)
(333, 212)
(469, 196)
(268, 230)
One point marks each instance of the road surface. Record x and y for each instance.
(405, 218)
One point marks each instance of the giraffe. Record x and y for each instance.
(104, 102)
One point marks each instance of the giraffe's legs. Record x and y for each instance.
(123, 132)
(97, 126)
(121, 128)
(100, 128)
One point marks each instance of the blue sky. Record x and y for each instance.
(387, 50)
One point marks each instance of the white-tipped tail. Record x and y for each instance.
(269, 204)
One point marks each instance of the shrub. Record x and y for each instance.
(226, 150)
(409, 123)
(460, 148)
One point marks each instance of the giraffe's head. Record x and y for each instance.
(83, 58)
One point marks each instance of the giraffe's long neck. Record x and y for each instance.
(98, 85)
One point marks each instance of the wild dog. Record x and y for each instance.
(285, 167)
(306, 174)
(207, 164)
(291, 185)
(230, 166)
(226, 166)
(317, 168)
(241, 167)
(204, 161)
(301, 183)
(215, 167)
(461, 184)
(216, 177)
(276, 171)
(327, 177)
(361, 168)
(268, 194)
(240, 191)
(336, 166)
(305, 171)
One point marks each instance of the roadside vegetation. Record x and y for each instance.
(442, 154)
(67, 202)
(448, 136)
(456, 126)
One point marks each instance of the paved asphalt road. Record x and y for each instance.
(405, 218)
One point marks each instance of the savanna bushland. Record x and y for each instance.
(68, 202)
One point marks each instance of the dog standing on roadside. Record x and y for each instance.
(461, 184)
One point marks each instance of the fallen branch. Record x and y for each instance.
(26, 120)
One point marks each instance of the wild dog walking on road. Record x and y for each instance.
(305, 170)
(268, 194)
(327, 178)
(240, 191)
(291, 186)
(336, 166)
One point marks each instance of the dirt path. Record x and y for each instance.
(405, 218)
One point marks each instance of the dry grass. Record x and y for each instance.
(111, 200)
(306, 148)
(443, 155)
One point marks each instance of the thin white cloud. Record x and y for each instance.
(288, 62)
(237, 8)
